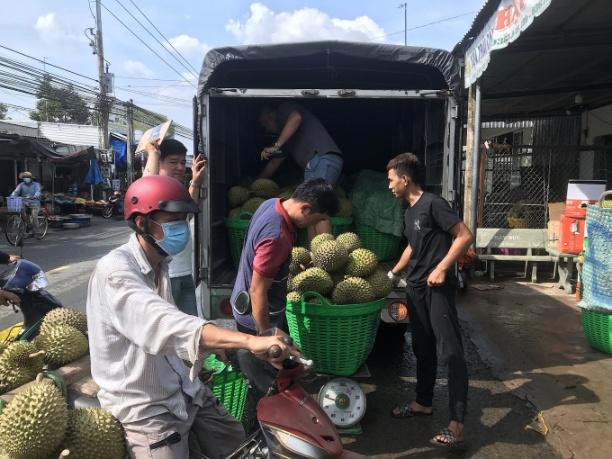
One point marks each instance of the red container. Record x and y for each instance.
(572, 233)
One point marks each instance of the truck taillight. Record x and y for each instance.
(225, 307)
(397, 310)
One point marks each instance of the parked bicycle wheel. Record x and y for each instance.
(15, 230)
(43, 226)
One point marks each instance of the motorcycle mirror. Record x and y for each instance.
(242, 304)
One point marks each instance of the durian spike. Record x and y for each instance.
(36, 354)
(40, 377)
(64, 453)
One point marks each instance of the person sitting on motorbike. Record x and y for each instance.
(29, 189)
(6, 296)
(140, 341)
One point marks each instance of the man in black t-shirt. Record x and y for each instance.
(437, 238)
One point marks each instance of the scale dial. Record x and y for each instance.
(343, 401)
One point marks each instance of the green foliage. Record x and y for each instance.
(60, 104)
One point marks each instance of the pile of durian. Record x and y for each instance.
(62, 339)
(246, 200)
(37, 424)
(339, 269)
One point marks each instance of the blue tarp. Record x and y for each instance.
(120, 148)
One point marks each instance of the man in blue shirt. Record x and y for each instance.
(29, 190)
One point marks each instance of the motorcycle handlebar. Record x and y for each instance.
(275, 352)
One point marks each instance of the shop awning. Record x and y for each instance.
(561, 62)
(16, 147)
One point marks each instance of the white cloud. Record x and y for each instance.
(264, 25)
(189, 46)
(50, 29)
(138, 69)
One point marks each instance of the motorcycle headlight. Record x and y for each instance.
(297, 445)
(39, 282)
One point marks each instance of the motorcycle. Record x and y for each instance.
(28, 281)
(114, 205)
(291, 423)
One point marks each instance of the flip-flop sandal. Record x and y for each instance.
(452, 442)
(405, 411)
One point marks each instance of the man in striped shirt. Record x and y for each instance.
(139, 340)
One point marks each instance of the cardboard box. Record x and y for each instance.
(554, 234)
(158, 132)
(555, 209)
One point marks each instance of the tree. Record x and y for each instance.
(3, 110)
(60, 104)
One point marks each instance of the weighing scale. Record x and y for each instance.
(344, 402)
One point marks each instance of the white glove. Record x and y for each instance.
(397, 280)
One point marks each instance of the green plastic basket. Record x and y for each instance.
(237, 230)
(339, 225)
(597, 328)
(338, 338)
(228, 385)
(385, 246)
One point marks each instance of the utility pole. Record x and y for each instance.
(405, 7)
(104, 102)
(130, 142)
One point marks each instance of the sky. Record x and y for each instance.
(55, 31)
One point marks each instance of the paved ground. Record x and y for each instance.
(68, 258)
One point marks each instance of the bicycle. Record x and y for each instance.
(20, 224)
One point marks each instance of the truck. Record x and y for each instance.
(376, 100)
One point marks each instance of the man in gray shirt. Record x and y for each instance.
(302, 135)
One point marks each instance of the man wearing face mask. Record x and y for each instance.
(29, 190)
(139, 340)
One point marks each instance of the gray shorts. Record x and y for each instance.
(209, 432)
(325, 166)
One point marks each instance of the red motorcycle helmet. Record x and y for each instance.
(157, 193)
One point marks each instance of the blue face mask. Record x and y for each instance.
(176, 236)
(27, 180)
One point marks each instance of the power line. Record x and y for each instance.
(47, 63)
(144, 43)
(146, 78)
(163, 36)
(157, 40)
(424, 25)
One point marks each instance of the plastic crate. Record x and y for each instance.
(14, 204)
(385, 246)
(597, 327)
(228, 385)
(338, 338)
(237, 229)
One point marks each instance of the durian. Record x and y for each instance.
(361, 263)
(345, 208)
(238, 195)
(318, 240)
(330, 256)
(294, 297)
(19, 364)
(380, 282)
(300, 260)
(234, 213)
(62, 344)
(252, 205)
(65, 316)
(312, 280)
(353, 290)
(3, 347)
(349, 240)
(34, 423)
(264, 188)
(94, 433)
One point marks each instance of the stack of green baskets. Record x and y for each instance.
(385, 246)
(237, 230)
(228, 385)
(596, 277)
(337, 338)
(339, 225)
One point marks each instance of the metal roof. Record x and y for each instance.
(68, 134)
(566, 52)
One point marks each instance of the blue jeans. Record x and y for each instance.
(183, 292)
(325, 166)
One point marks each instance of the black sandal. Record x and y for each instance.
(451, 443)
(406, 411)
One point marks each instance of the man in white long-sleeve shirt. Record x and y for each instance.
(139, 340)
